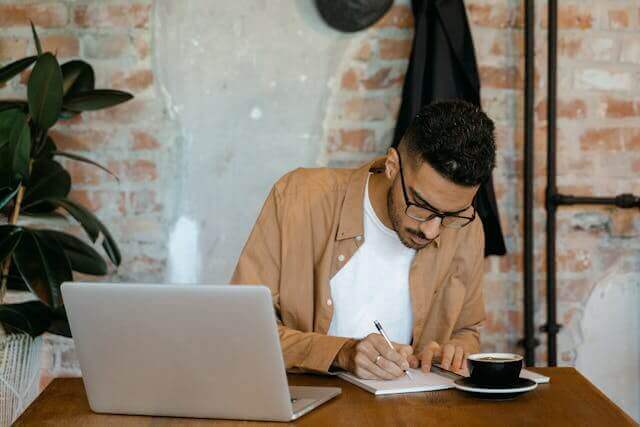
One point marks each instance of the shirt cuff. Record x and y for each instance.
(323, 349)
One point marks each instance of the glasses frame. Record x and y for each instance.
(433, 212)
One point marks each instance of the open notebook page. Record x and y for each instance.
(421, 382)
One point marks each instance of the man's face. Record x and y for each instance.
(424, 187)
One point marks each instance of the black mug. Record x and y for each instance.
(494, 369)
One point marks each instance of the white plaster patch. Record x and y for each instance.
(603, 80)
(256, 113)
(303, 78)
(184, 255)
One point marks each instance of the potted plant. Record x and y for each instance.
(34, 185)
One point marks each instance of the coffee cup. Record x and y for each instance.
(494, 369)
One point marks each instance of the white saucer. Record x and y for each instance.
(522, 386)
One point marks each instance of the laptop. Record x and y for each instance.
(199, 351)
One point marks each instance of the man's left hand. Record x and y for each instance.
(451, 357)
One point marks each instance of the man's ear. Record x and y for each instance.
(392, 164)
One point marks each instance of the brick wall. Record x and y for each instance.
(598, 135)
(598, 142)
(135, 140)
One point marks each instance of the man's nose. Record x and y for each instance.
(431, 228)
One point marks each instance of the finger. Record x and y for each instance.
(431, 350)
(382, 346)
(447, 356)
(404, 350)
(391, 367)
(458, 357)
(379, 373)
(414, 362)
(361, 372)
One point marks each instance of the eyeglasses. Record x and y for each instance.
(419, 213)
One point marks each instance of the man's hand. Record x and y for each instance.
(451, 357)
(372, 358)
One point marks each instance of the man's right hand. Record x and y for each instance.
(372, 358)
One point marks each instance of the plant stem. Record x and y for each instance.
(13, 220)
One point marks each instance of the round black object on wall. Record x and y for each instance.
(352, 15)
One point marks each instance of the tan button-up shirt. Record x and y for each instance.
(309, 228)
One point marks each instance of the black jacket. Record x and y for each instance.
(443, 66)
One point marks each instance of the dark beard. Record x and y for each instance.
(395, 215)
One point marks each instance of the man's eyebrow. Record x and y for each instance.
(421, 201)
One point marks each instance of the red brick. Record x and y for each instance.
(571, 16)
(617, 108)
(349, 80)
(135, 170)
(635, 166)
(507, 43)
(95, 200)
(496, 15)
(124, 15)
(364, 52)
(62, 45)
(574, 260)
(352, 140)
(13, 48)
(128, 112)
(143, 141)
(631, 139)
(500, 77)
(601, 139)
(569, 45)
(43, 15)
(569, 109)
(80, 140)
(618, 19)
(623, 223)
(394, 48)
(381, 79)
(135, 81)
(365, 109)
(399, 16)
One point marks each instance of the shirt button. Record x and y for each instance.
(329, 302)
(358, 238)
(340, 257)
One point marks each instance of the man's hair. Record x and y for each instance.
(456, 138)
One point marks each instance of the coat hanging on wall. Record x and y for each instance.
(443, 66)
(352, 15)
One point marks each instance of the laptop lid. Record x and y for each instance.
(179, 350)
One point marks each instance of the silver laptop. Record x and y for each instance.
(184, 350)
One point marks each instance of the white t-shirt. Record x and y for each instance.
(374, 285)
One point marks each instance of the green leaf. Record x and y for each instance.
(96, 100)
(44, 91)
(85, 160)
(48, 179)
(10, 236)
(31, 317)
(15, 146)
(83, 258)
(7, 197)
(77, 76)
(11, 70)
(48, 149)
(91, 225)
(43, 265)
(36, 40)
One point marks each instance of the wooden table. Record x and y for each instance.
(570, 400)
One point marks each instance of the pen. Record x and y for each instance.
(386, 338)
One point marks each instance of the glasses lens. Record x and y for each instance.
(418, 214)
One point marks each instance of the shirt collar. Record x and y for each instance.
(352, 215)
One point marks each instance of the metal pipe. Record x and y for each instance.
(529, 327)
(551, 328)
(623, 201)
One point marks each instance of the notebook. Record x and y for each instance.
(438, 379)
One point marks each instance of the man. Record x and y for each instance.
(397, 241)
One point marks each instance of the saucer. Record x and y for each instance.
(521, 386)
